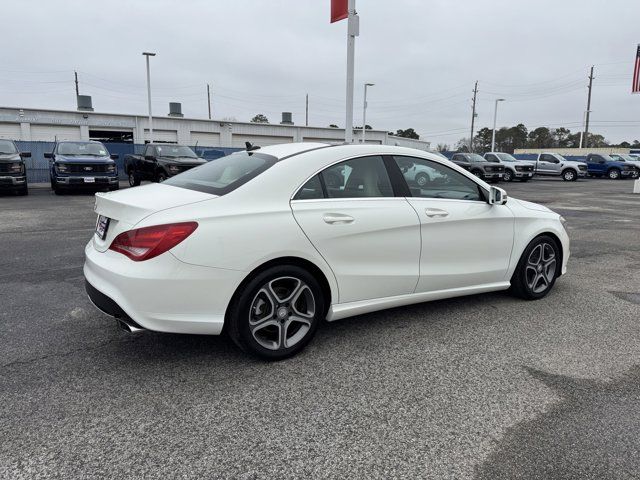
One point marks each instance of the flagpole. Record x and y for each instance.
(352, 32)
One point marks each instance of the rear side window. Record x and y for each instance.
(225, 174)
(311, 190)
(357, 178)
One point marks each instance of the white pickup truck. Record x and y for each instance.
(554, 164)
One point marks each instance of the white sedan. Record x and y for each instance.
(268, 243)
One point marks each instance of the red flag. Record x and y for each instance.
(635, 88)
(339, 10)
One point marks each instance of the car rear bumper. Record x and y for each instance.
(162, 294)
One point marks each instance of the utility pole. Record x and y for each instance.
(473, 116)
(209, 100)
(306, 111)
(77, 88)
(147, 55)
(586, 123)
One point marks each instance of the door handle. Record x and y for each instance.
(337, 218)
(436, 212)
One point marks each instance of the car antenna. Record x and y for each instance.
(250, 147)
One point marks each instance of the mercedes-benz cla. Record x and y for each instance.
(268, 243)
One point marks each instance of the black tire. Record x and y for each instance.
(525, 179)
(614, 174)
(422, 179)
(569, 175)
(508, 175)
(114, 188)
(161, 176)
(478, 173)
(58, 191)
(254, 338)
(134, 180)
(528, 279)
(23, 191)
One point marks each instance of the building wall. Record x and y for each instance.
(572, 152)
(49, 125)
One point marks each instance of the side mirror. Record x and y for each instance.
(25, 154)
(48, 155)
(114, 156)
(497, 196)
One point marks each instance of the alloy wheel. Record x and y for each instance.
(569, 175)
(508, 176)
(614, 174)
(281, 313)
(541, 267)
(132, 179)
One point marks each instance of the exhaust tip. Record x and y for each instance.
(129, 326)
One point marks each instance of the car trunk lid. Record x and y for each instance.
(126, 208)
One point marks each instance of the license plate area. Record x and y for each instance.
(102, 225)
(89, 179)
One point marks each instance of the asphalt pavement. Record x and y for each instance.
(487, 386)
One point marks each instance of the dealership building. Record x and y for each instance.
(43, 125)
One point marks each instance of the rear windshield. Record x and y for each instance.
(225, 174)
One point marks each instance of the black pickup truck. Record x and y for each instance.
(13, 172)
(477, 165)
(159, 162)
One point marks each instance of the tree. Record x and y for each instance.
(260, 118)
(482, 140)
(442, 147)
(367, 127)
(597, 140)
(408, 133)
(333, 125)
(561, 137)
(462, 145)
(540, 138)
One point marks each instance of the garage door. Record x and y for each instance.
(205, 139)
(49, 133)
(261, 140)
(10, 131)
(167, 136)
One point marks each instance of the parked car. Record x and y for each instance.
(621, 157)
(13, 171)
(260, 244)
(418, 174)
(513, 168)
(82, 165)
(160, 161)
(554, 164)
(477, 165)
(602, 165)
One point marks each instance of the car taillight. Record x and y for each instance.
(149, 242)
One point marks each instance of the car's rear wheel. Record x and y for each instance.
(276, 313)
(569, 175)
(537, 269)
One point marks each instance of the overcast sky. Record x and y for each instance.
(264, 56)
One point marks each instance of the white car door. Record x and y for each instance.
(465, 241)
(369, 237)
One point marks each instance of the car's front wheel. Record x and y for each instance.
(276, 313)
(569, 175)
(508, 176)
(537, 269)
(134, 180)
(161, 177)
(613, 174)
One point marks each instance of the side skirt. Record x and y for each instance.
(344, 310)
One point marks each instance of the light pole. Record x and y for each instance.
(147, 55)
(584, 119)
(495, 117)
(364, 109)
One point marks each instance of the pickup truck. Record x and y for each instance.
(13, 171)
(160, 161)
(513, 168)
(621, 157)
(477, 165)
(82, 165)
(602, 165)
(554, 164)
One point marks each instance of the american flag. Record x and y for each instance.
(635, 88)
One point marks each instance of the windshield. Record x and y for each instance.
(7, 146)
(505, 157)
(225, 174)
(93, 149)
(175, 151)
(474, 157)
(609, 159)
